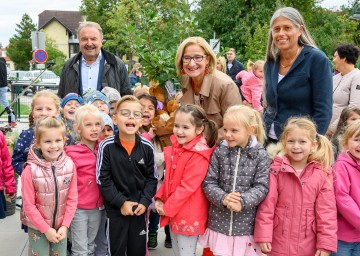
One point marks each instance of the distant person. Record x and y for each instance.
(3, 90)
(252, 85)
(233, 67)
(298, 79)
(221, 64)
(346, 83)
(135, 75)
(93, 67)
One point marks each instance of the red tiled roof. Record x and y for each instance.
(69, 19)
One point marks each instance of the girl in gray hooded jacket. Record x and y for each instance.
(236, 183)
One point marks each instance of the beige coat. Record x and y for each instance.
(218, 92)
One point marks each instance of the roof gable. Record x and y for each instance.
(69, 19)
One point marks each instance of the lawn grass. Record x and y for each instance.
(24, 111)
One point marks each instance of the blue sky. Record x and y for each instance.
(12, 11)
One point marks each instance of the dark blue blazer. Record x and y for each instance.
(306, 90)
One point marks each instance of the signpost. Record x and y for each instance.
(215, 45)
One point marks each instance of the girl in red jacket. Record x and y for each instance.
(180, 200)
(298, 216)
(49, 190)
(6, 176)
(347, 192)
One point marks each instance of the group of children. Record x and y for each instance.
(228, 195)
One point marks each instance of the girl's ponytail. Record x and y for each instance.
(260, 130)
(211, 132)
(324, 153)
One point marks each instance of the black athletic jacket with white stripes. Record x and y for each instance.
(123, 177)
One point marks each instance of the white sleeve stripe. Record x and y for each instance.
(99, 159)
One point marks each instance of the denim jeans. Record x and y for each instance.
(347, 249)
(4, 102)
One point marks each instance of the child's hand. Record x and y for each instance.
(265, 247)
(62, 231)
(12, 195)
(152, 132)
(52, 236)
(127, 208)
(322, 253)
(159, 207)
(232, 197)
(236, 207)
(140, 209)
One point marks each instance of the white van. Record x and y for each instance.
(47, 77)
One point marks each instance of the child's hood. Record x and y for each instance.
(348, 159)
(35, 156)
(81, 149)
(197, 145)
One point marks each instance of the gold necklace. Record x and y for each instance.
(292, 59)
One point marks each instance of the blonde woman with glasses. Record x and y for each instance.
(201, 83)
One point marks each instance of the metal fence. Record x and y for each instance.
(21, 93)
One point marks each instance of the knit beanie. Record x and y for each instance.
(112, 94)
(96, 95)
(71, 96)
(108, 121)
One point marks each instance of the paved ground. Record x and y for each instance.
(14, 242)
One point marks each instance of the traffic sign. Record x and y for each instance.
(215, 45)
(40, 56)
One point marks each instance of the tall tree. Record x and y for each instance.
(20, 48)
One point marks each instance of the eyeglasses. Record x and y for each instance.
(196, 58)
(127, 113)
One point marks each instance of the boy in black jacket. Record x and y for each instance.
(126, 174)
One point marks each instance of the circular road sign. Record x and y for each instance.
(40, 56)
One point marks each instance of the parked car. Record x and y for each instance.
(16, 75)
(47, 77)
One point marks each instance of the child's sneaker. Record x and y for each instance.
(168, 243)
(152, 242)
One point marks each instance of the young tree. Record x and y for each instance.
(20, 48)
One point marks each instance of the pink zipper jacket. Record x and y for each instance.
(298, 216)
(49, 191)
(347, 193)
(7, 171)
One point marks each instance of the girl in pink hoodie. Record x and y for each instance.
(90, 208)
(251, 88)
(298, 216)
(347, 192)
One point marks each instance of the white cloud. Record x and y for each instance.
(13, 10)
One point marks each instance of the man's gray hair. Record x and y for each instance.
(90, 24)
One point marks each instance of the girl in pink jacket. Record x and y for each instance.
(7, 178)
(298, 216)
(347, 192)
(180, 201)
(251, 88)
(90, 208)
(49, 190)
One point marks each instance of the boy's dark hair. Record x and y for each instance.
(149, 97)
